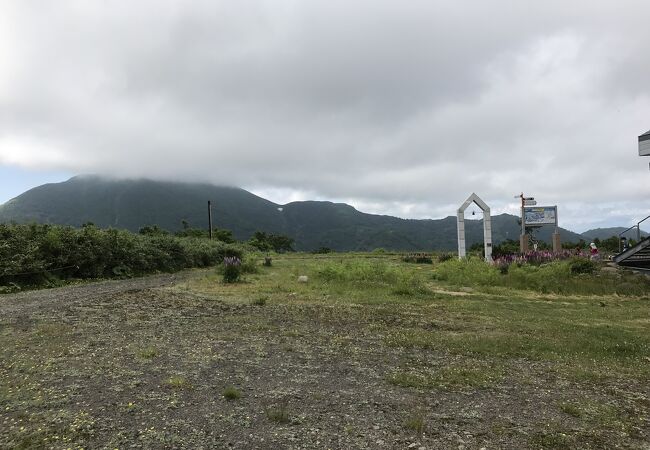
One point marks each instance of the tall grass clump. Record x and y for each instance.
(467, 272)
(359, 272)
(372, 273)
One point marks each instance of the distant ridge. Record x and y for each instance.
(604, 233)
(132, 204)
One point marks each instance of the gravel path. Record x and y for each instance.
(27, 302)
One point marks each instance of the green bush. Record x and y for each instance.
(418, 258)
(445, 257)
(41, 255)
(582, 265)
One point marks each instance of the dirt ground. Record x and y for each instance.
(145, 363)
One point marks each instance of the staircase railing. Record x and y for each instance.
(638, 232)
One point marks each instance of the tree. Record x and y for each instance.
(267, 242)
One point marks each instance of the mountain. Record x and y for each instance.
(132, 204)
(604, 233)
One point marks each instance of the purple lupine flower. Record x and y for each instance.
(231, 261)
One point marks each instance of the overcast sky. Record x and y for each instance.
(396, 107)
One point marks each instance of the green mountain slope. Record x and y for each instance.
(131, 204)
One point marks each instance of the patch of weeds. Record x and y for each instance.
(148, 353)
(551, 440)
(416, 422)
(249, 265)
(259, 301)
(409, 285)
(571, 409)
(292, 333)
(278, 413)
(231, 393)
(452, 376)
(178, 382)
(585, 374)
(130, 408)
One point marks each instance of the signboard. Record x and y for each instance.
(530, 202)
(540, 215)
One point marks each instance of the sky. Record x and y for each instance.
(400, 108)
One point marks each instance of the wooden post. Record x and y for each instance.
(210, 219)
(523, 239)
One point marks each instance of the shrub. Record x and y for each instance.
(33, 255)
(249, 265)
(445, 257)
(418, 258)
(582, 265)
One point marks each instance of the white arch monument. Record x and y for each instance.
(487, 226)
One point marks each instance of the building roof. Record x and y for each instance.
(645, 136)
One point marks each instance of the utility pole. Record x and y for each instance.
(210, 219)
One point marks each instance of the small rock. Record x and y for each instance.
(303, 279)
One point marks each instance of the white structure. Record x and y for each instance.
(487, 226)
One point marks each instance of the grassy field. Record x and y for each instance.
(370, 352)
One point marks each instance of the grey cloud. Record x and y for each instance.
(376, 102)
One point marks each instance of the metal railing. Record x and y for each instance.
(638, 232)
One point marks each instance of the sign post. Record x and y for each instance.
(537, 216)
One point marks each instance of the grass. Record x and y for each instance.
(415, 422)
(462, 376)
(148, 353)
(279, 412)
(555, 277)
(178, 382)
(358, 346)
(571, 409)
(231, 393)
(259, 301)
